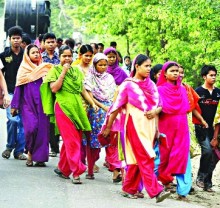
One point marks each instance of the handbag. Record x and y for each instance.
(111, 139)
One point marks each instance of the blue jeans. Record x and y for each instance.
(15, 132)
(208, 159)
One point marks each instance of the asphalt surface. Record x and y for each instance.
(34, 187)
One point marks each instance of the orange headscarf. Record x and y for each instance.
(29, 72)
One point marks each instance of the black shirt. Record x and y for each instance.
(11, 63)
(208, 103)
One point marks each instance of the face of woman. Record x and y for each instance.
(111, 58)
(181, 72)
(156, 76)
(86, 57)
(172, 74)
(143, 71)
(34, 54)
(66, 57)
(101, 66)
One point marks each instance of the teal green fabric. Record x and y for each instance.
(68, 97)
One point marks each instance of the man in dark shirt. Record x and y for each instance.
(209, 98)
(11, 59)
(51, 56)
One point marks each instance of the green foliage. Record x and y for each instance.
(186, 31)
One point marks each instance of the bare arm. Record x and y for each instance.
(55, 86)
(86, 95)
(104, 107)
(111, 119)
(199, 116)
(214, 141)
(152, 113)
(3, 86)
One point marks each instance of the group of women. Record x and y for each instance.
(95, 96)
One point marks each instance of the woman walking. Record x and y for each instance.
(28, 101)
(174, 159)
(66, 83)
(139, 99)
(101, 86)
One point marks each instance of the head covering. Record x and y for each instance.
(174, 96)
(162, 79)
(102, 85)
(29, 72)
(147, 86)
(115, 70)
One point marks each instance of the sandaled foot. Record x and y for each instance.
(90, 177)
(182, 198)
(127, 195)
(40, 164)
(170, 188)
(52, 154)
(60, 174)
(162, 196)
(139, 195)
(210, 190)
(76, 180)
(118, 179)
(29, 163)
(106, 164)
(20, 157)
(200, 184)
(6, 154)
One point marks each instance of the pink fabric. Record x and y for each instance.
(174, 97)
(70, 154)
(112, 157)
(132, 179)
(92, 157)
(173, 122)
(144, 169)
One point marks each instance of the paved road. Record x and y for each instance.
(24, 187)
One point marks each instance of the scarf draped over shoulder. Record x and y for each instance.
(68, 97)
(174, 97)
(30, 72)
(101, 85)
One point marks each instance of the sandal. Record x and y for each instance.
(60, 174)
(139, 195)
(182, 198)
(76, 180)
(162, 196)
(52, 154)
(6, 154)
(170, 187)
(40, 164)
(29, 163)
(90, 177)
(20, 156)
(210, 190)
(118, 179)
(127, 195)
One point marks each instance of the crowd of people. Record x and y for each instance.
(55, 89)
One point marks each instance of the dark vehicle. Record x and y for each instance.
(32, 15)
